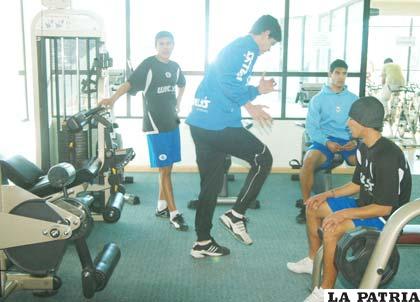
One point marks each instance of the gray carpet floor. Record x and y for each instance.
(156, 265)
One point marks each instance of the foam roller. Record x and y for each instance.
(105, 263)
(114, 207)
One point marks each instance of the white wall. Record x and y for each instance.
(397, 8)
(284, 141)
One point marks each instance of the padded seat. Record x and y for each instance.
(28, 176)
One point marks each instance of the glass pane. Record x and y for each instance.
(113, 15)
(297, 109)
(137, 104)
(188, 98)
(271, 100)
(353, 85)
(383, 44)
(227, 23)
(13, 102)
(324, 33)
(415, 51)
(338, 18)
(295, 59)
(184, 19)
(415, 77)
(354, 36)
(294, 108)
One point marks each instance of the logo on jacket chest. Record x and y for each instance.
(200, 103)
(248, 57)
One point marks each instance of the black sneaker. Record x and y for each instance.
(211, 249)
(236, 226)
(299, 203)
(301, 217)
(163, 214)
(178, 223)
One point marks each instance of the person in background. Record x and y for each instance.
(392, 80)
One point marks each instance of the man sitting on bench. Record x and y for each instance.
(326, 126)
(383, 180)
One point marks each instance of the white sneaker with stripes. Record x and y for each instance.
(236, 226)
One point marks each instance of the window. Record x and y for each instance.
(296, 43)
(234, 18)
(14, 102)
(354, 36)
(150, 17)
(414, 72)
(271, 100)
(324, 33)
(328, 31)
(338, 37)
(184, 19)
(187, 100)
(319, 31)
(113, 14)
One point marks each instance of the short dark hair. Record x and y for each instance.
(337, 64)
(267, 22)
(388, 60)
(163, 34)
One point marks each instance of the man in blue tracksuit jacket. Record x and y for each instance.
(216, 128)
(326, 125)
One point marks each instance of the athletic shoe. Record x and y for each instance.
(304, 266)
(236, 226)
(178, 222)
(211, 249)
(317, 295)
(162, 214)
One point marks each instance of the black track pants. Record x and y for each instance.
(211, 148)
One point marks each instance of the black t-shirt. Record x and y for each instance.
(158, 82)
(383, 175)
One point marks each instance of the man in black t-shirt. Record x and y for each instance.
(383, 180)
(158, 77)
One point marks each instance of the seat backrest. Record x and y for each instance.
(3, 177)
(21, 171)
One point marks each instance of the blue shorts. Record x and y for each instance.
(164, 148)
(340, 203)
(328, 154)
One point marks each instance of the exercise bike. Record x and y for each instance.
(35, 232)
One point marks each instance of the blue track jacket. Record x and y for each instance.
(224, 89)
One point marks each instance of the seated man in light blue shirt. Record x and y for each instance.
(326, 126)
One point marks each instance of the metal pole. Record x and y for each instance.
(285, 58)
(386, 243)
(365, 39)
